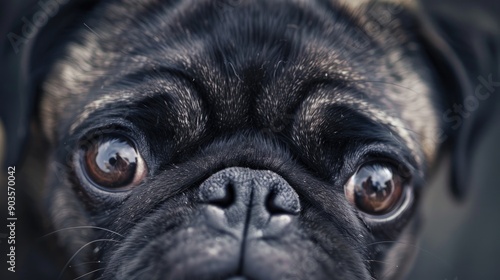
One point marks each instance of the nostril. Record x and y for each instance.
(271, 205)
(226, 198)
(278, 203)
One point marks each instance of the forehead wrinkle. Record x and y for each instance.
(188, 112)
(315, 103)
(311, 69)
(223, 90)
(96, 105)
(89, 63)
(188, 105)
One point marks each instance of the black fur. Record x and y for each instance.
(304, 89)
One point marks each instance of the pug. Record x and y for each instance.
(243, 139)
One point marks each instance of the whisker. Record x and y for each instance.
(93, 271)
(386, 242)
(80, 264)
(82, 227)
(377, 261)
(381, 262)
(79, 250)
(234, 70)
(387, 83)
(433, 255)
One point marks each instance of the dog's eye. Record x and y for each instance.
(112, 163)
(375, 189)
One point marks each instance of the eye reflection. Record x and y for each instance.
(115, 156)
(374, 189)
(112, 163)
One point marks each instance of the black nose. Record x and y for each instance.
(260, 199)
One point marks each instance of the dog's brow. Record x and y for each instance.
(317, 102)
(165, 103)
(382, 116)
(98, 105)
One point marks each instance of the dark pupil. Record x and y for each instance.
(377, 189)
(114, 156)
(111, 163)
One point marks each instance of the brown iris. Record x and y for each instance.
(374, 189)
(112, 163)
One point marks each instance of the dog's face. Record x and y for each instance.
(263, 140)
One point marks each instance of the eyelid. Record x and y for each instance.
(402, 169)
(102, 125)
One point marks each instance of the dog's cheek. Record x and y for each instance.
(401, 255)
(151, 235)
(68, 218)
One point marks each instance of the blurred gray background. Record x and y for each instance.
(461, 240)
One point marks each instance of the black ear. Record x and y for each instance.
(34, 33)
(464, 47)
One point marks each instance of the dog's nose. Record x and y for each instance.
(261, 200)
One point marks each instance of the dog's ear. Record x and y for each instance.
(463, 46)
(34, 35)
